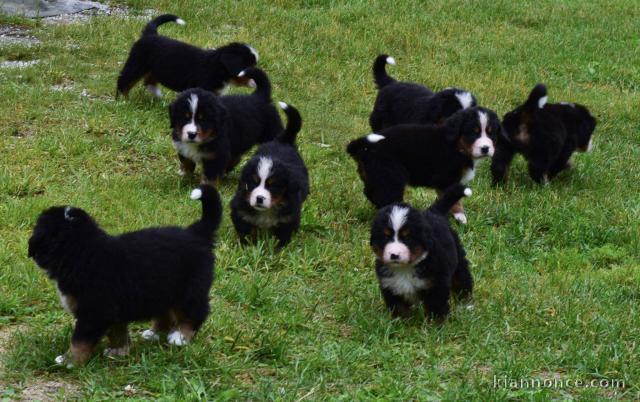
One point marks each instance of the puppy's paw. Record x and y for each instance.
(460, 217)
(150, 335)
(113, 352)
(62, 360)
(176, 338)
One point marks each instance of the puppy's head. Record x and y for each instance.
(236, 57)
(400, 235)
(58, 232)
(196, 116)
(266, 183)
(447, 102)
(586, 125)
(474, 130)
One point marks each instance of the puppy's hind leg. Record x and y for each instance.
(118, 341)
(132, 72)
(152, 86)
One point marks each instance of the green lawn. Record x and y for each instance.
(556, 267)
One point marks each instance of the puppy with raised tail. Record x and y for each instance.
(273, 186)
(410, 103)
(178, 66)
(419, 257)
(546, 134)
(106, 282)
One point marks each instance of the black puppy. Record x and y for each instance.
(107, 282)
(419, 258)
(435, 156)
(273, 185)
(407, 102)
(545, 134)
(217, 131)
(179, 66)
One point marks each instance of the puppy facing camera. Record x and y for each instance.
(106, 282)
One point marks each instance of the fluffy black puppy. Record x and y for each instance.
(107, 282)
(273, 185)
(406, 102)
(545, 134)
(217, 131)
(419, 258)
(179, 66)
(435, 156)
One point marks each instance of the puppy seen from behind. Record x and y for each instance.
(107, 282)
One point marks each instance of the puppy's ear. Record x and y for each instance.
(222, 116)
(454, 125)
(426, 239)
(172, 114)
(232, 63)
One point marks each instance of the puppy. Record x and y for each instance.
(545, 134)
(406, 102)
(419, 258)
(107, 282)
(179, 66)
(217, 131)
(435, 156)
(273, 185)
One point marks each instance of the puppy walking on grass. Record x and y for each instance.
(107, 282)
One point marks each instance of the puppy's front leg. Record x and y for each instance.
(243, 228)
(187, 166)
(501, 161)
(214, 168)
(436, 302)
(397, 305)
(86, 336)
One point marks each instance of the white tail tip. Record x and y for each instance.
(375, 137)
(251, 83)
(467, 192)
(241, 73)
(283, 105)
(542, 101)
(180, 21)
(196, 194)
(391, 60)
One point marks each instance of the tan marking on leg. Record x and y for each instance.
(81, 352)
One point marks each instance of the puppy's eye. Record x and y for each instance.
(476, 130)
(388, 232)
(404, 233)
(187, 115)
(489, 130)
(270, 181)
(256, 178)
(200, 116)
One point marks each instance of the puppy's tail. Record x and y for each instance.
(208, 224)
(260, 82)
(294, 123)
(451, 195)
(152, 27)
(380, 75)
(538, 97)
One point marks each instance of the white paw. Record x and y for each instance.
(176, 338)
(545, 179)
(150, 335)
(470, 306)
(62, 361)
(460, 217)
(111, 352)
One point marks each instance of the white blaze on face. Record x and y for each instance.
(191, 126)
(260, 197)
(396, 252)
(465, 99)
(483, 142)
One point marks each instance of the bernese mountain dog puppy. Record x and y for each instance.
(217, 131)
(273, 185)
(546, 134)
(435, 156)
(419, 257)
(179, 66)
(107, 282)
(410, 103)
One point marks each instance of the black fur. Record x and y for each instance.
(546, 137)
(434, 156)
(224, 127)
(444, 268)
(111, 281)
(410, 103)
(287, 183)
(180, 66)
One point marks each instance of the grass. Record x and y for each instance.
(556, 267)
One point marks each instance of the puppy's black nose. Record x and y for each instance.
(394, 257)
(259, 200)
(191, 135)
(484, 150)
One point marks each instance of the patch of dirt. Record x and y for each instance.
(47, 390)
(6, 336)
(84, 16)
(18, 63)
(14, 34)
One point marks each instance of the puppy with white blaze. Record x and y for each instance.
(217, 130)
(420, 258)
(106, 282)
(273, 185)
(429, 155)
(408, 102)
(157, 59)
(546, 134)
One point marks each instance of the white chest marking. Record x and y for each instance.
(469, 173)
(405, 283)
(264, 219)
(189, 150)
